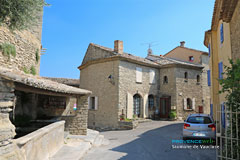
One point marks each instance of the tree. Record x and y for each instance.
(231, 86)
(20, 14)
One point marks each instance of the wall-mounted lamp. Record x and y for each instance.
(111, 79)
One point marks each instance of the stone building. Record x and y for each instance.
(29, 102)
(127, 86)
(198, 57)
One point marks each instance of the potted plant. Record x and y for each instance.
(173, 115)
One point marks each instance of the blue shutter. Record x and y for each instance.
(211, 109)
(221, 33)
(223, 115)
(209, 50)
(209, 77)
(220, 70)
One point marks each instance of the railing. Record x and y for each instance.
(228, 134)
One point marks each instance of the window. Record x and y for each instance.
(209, 50)
(136, 105)
(165, 80)
(92, 103)
(189, 103)
(151, 76)
(209, 77)
(150, 101)
(199, 120)
(198, 79)
(221, 33)
(186, 76)
(191, 58)
(138, 75)
(220, 70)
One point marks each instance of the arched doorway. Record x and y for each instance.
(137, 105)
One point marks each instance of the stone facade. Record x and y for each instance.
(113, 79)
(100, 86)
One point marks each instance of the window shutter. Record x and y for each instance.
(220, 70)
(138, 74)
(223, 115)
(221, 33)
(89, 105)
(209, 77)
(185, 103)
(193, 103)
(96, 103)
(211, 109)
(209, 50)
(152, 76)
(145, 102)
(129, 106)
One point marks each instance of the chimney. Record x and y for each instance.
(118, 46)
(182, 44)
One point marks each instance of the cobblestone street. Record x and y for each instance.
(150, 141)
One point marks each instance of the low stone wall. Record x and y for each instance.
(123, 125)
(43, 143)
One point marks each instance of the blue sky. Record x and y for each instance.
(69, 26)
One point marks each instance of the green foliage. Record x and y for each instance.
(231, 85)
(8, 49)
(173, 114)
(134, 116)
(33, 70)
(127, 120)
(37, 55)
(25, 70)
(20, 14)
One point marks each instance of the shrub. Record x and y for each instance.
(173, 114)
(8, 49)
(33, 70)
(37, 55)
(25, 70)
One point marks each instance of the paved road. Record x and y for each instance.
(150, 141)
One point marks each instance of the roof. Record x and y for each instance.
(223, 9)
(200, 52)
(151, 60)
(39, 82)
(67, 81)
(165, 61)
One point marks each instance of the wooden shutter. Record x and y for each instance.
(209, 50)
(193, 103)
(209, 77)
(96, 103)
(89, 105)
(138, 75)
(151, 76)
(221, 33)
(129, 106)
(220, 70)
(145, 106)
(185, 103)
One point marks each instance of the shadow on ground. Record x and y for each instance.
(157, 144)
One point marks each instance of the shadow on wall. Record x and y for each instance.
(157, 145)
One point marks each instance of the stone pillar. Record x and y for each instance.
(7, 129)
(77, 125)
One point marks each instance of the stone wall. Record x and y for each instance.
(43, 143)
(26, 45)
(129, 86)
(168, 89)
(187, 89)
(77, 125)
(235, 33)
(95, 79)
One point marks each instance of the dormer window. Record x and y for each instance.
(191, 58)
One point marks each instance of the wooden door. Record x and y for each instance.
(165, 105)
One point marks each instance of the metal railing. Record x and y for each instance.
(228, 135)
